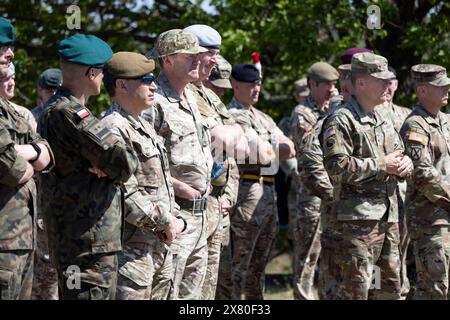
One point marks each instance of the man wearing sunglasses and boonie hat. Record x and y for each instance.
(82, 198)
(176, 118)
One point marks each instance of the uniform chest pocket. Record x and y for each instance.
(184, 145)
(148, 173)
(19, 133)
(365, 143)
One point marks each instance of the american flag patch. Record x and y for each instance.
(417, 137)
(328, 133)
(83, 113)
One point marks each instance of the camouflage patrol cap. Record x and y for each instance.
(322, 71)
(129, 65)
(344, 71)
(371, 64)
(430, 73)
(301, 87)
(220, 74)
(176, 41)
(7, 33)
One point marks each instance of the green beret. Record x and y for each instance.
(128, 65)
(7, 33)
(85, 49)
(322, 71)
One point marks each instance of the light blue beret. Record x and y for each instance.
(207, 36)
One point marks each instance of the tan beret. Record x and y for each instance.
(128, 65)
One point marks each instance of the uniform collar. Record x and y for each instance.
(166, 89)
(431, 119)
(234, 104)
(364, 117)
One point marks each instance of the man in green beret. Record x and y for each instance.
(22, 154)
(426, 134)
(321, 78)
(187, 139)
(145, 263)
(364, 150)
(82, 198)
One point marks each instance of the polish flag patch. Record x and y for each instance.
(83, 113)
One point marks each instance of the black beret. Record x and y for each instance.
(245, 73)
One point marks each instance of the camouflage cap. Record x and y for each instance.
(344, 71)
(430, 73)
(371, 64)
(176, 41)
(301, 87)
(220, 74)
(322, 71)
(129, 65)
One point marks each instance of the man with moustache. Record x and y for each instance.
(176, 118)
(145, 262)
(426, 134)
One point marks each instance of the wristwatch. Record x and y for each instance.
(184, 221)
(38, 151)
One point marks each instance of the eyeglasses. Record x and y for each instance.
(148, 79)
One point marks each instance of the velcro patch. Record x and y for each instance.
(328, 133)
(83, 113)
(417, 136)
(416, 153)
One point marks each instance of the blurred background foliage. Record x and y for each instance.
(290, 35)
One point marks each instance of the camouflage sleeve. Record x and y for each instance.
(141, 208)
(314, 176)
(339, 153)
(426, 179)
(154, 116)
(12, 166)
(96, 142)
(232, 186)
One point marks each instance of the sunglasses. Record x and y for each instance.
(148, 79)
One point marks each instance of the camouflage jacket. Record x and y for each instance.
(149, 196)
(252, 121)
(215, 113)
(186, 135)
(83, 212)
(396, 113)
(355, 144)
(427, 142)
(17, 202)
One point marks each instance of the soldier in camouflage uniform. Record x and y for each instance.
(22, 153)
(426, 134)
(254, 221)
(145, 263)
(224, 133)
(82, 199)
(322, 78)
(218, 82)
(187, 140)
(366, 152)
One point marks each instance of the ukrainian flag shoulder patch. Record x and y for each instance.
(329, 132)
(416, 136)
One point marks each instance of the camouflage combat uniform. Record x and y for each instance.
(355, 144)
(427, 142)
(17, 208)
(83, 213)
(254, 222)
(187, 141)
(145, 263)
(307, 223)
(215, 113)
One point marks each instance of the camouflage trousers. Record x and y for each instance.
(88, 277)
(369, 257)
(224, 283)
(432, 253)
(306, 248)
(45, 277)
(190, 258)
(254, 225)
(214, 240)
(404, 239)
(293, 212)
(16, 274)
(145, 271)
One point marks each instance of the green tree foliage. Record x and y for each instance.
(290, 35)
